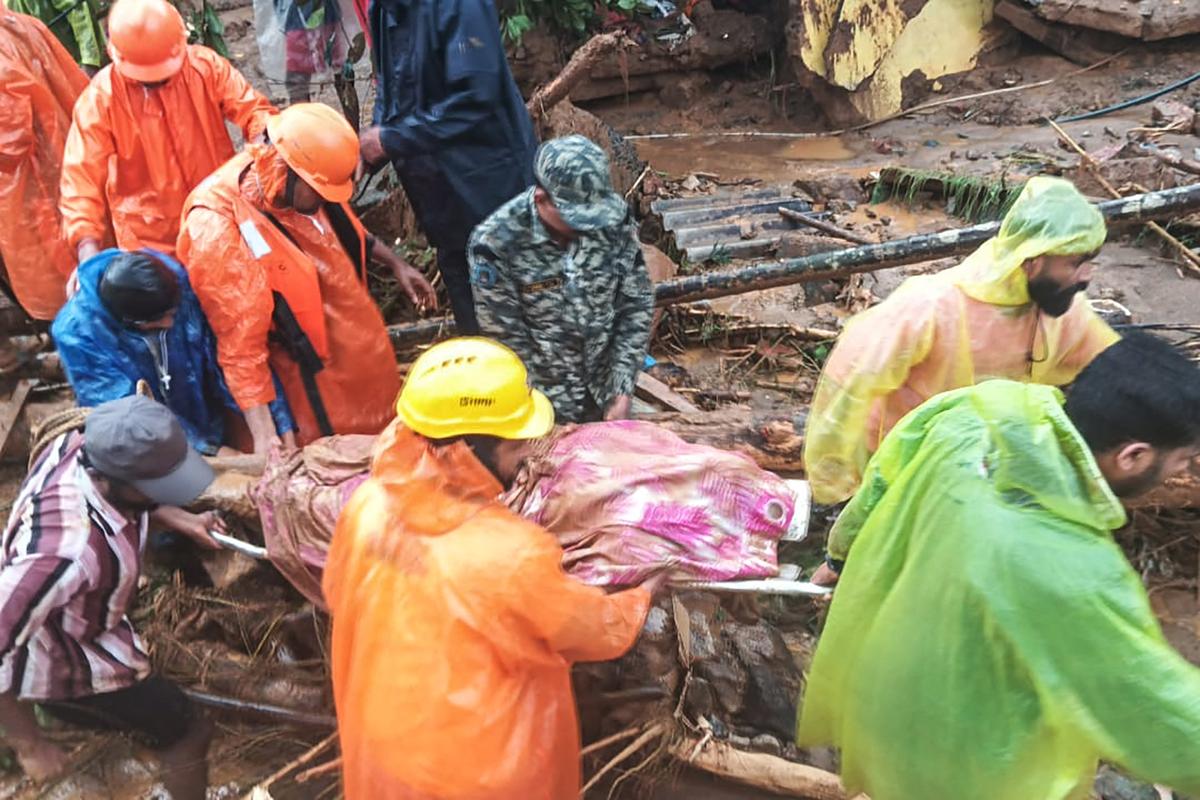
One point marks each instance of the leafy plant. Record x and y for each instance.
(572, 17)
(205, 27)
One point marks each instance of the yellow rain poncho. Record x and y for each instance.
(953, 329)
(988, 639)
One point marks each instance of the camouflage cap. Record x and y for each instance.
(574, 170)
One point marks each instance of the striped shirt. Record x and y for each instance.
(69, 565)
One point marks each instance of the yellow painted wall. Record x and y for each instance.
(943, 39)
(876, 26)
(815, 21)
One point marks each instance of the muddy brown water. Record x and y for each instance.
(739, 157)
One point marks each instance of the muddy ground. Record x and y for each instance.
(996, 136)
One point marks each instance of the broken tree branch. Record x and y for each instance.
(825, 227)
(1190, 259)
(1138, 208)
(304, 758)
(578, 68)
(760, 770)
(1177, 161)
(621, 736)
(319, 770)
(650, 734)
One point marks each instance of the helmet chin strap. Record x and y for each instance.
(289, 188)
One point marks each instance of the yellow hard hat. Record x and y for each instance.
(472, 385)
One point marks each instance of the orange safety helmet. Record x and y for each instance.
(319, 145)
(147, 39)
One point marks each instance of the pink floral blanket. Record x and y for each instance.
(627, 499)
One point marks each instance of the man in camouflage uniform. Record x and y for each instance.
(558, 276)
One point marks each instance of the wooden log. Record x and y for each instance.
(12, 409)
(825, 227)
(774, 441)
(760, 770)
(651, 388)
(1177, 161)
(868, 258)
(578, 68)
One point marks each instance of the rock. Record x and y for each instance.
(1112, 785)
(684, 91)
(1174, 114)
(658, 264)
(797, 245)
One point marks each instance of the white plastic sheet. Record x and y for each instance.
(309, 38)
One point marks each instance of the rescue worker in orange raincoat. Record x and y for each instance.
(454, 625)
(148, 128)
(39, 83)
(278, 261)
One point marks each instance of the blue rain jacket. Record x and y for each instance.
(453, 121)
(104, 359)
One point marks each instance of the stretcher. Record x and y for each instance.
(786, 584)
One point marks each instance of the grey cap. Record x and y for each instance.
(574, 170)
(138, 441)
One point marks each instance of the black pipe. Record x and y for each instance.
(1137, 101)
(840, 263)
(291, 716)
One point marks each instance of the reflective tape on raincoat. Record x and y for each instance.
(956, 328)
(39, 84)
(454, 631)
(988, 640)
(359, 382)
(135, 152)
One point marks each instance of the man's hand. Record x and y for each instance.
(370, 149)
(193, 526)
(415, 286)
(824, 576)
(618, 408)
(657, 583)
(262, 429)
(87, 248)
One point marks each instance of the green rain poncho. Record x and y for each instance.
(988, 640)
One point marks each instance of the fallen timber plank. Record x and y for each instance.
(651, 388)
(840, 263)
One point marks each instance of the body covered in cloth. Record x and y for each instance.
(624, 499)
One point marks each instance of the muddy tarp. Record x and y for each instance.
(299, 499)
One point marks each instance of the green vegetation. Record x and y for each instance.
(966, 196)
(204, 26)
(574, 18)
